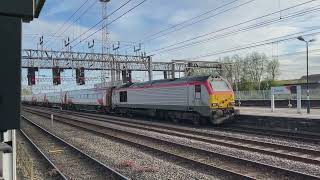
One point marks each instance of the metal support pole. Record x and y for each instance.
(165, 75)
(118, 71)
(299, 99)
(308, 91)
(173, 70)
(272, 100)
(113, 70)
(51, 119)
(237, 93)
(150, 68)
(129, 76)
(124, 76)
(188, 69)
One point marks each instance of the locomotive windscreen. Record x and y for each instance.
(219, 85)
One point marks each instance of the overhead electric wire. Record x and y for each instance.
(81, 15)
(185, 21)
(38, 34)
(229, 27)
(109, 23)
(187, 25)
(99, 22)
(198, 16)
(252, 45)
(85, 2)
(244, 29)
(312, 51)
(299, 52)
(232, 26)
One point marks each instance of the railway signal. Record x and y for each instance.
(32, 75)
(56, 75)
(80, 76)
(126, 75)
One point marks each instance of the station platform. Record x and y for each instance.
(281, 118)
(280, 112)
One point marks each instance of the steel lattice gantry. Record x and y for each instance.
(90, 61)
(46, 59)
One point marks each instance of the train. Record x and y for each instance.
(199, 99)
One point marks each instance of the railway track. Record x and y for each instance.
(54, 168)
(231, 165)
(69, 161)
(289, 152)
(297, 136)
(304, 137)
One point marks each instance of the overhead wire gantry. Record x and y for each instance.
(47, 59)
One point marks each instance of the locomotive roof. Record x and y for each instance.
(165, 81)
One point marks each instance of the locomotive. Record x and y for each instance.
(199, 99)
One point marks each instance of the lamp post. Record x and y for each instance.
(308, 92)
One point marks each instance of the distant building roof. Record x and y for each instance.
(312, 78)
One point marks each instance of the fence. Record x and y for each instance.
(266, 95)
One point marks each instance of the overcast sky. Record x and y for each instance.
(225, 26)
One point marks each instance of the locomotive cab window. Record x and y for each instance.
(123, 96)
(219, 85)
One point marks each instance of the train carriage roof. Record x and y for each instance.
(166, 81)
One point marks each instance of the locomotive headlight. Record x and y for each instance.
(214, 104)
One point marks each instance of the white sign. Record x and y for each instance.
(285, 90)
(281, 90)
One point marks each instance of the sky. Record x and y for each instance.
(193, 30)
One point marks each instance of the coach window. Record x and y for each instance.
(197, 89)
(123, 96)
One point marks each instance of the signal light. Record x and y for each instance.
(32, 75)
(80, 76)
(129, 76)
(56, 75)
(126, 76)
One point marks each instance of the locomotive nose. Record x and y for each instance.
(220, 100)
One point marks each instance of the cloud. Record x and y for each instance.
(156, 15)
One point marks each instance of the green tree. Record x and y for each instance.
(256, 65)
(273, 69)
